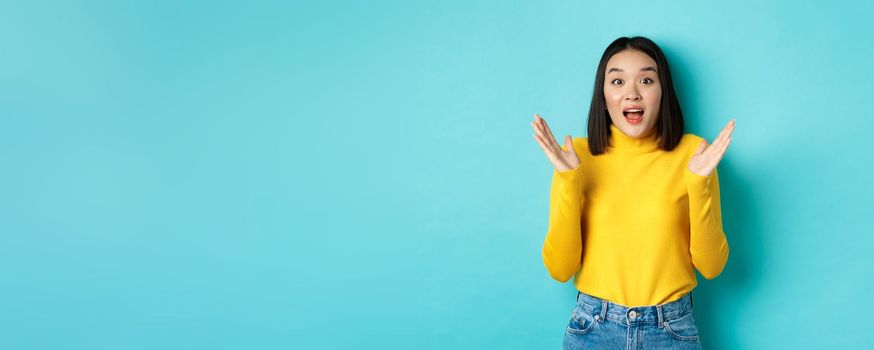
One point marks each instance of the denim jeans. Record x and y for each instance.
(600, 324)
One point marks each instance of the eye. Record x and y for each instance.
(647, 79)
(615, 80)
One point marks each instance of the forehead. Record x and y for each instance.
(629, 60)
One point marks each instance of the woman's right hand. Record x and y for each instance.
(561, 159)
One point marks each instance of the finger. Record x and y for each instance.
(716, 158)
(720, 153)
(539, 129)
(729, 128)
(536, 127)
(549, 134)
(544, 138)
(714, 149)
(720, 136)
(569, 143)
(725, 146)
(546, 150)
(711, 149)
(719, 142)
(538, 124)
(725, 133)
(538, 120)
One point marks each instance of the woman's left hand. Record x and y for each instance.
(707, 157)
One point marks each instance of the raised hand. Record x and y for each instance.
(562, 160)
(707, 157)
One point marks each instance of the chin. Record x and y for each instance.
(636, 131)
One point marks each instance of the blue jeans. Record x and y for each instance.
(600, 324)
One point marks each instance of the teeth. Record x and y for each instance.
(626, 112)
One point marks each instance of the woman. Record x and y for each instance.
(634, 208)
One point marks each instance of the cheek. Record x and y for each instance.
(654, 97)
(613, 99)
(654, 94)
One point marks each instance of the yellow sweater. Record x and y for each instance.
(631, 224)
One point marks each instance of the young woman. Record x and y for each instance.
(634, 208)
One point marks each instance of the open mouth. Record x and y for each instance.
(633, 114)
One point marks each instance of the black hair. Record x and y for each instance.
(669, 127)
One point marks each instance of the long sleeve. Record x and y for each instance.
(707, 244)
(563, 246)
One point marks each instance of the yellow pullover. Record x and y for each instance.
(631, 224)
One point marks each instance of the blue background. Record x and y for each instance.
(334, 175)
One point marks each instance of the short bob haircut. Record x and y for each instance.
(669, 127)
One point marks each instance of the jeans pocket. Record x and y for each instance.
(682, 328)
(580, 323)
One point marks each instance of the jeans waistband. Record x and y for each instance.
(639, 314)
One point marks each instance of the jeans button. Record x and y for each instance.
(633, 314)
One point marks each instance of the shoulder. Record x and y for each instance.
(581, 143)
(581, 146)
(689, 143)
(691, 140)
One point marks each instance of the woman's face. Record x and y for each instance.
(631, 82)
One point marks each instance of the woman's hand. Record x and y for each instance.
(707, 157)
(562, 160)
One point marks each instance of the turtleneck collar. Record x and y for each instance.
(624, 143)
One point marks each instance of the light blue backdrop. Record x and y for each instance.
(337, 175)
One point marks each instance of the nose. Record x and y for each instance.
(632, 95)
(631, 92)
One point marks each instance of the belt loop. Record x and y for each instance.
(691, 301)
(661, 317)
(603, 310)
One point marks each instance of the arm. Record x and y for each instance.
(707, 243)
(563, 247)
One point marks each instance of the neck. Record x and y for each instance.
(624, 143)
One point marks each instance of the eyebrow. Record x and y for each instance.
(614, 69)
